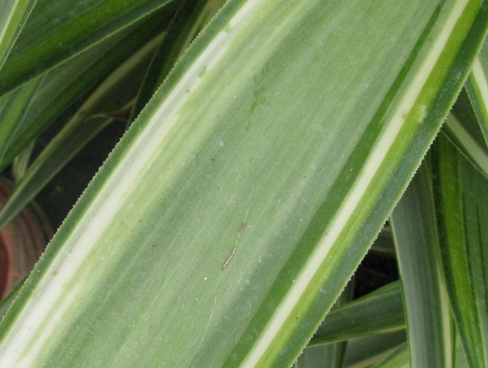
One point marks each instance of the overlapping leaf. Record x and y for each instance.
(13, 15)
(58, 30)
(92, 116)
(463, 129)
(232, 214)
(477, 89)
(399, 358)
(26, 111)
(462, 216)
(366, 351)
(430, 335)
(330, 355)
(189, 20)
(361, 317)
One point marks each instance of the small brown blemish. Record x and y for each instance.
(243, 225)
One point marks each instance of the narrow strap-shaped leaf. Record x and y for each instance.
(6, 302)
(461, 198)
(13, 109)
(21, 161)
(399, 358)
(240, 202)
(477, 88)
(315, 357)
(13, 15)
(336, 352)
(462, 129)
(369, 350)
(430, 335)
(59, 30)
(26, 111)
(328, 355)
(461, 361)
(379, 311)
(189, 20)
(86, 123)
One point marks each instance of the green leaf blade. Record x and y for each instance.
(373, 349)
(13, 15)
(331, 355)
(189, 20)
(466, 135)
(86, 123)
(188, 167)
(360, 317)
(57, 31)
(477, 88)
(398, 359)
(461, 194)
(427, 310)
(26, 111)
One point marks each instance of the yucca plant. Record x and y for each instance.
(268, 144)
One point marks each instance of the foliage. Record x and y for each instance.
(268, 144)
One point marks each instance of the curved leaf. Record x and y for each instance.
(361, 317)
(329, 355)
(13, 15)
(430, 335)
(26, 111)
(460, 193)
(366, 351)
(463, 130)
(85, 124)
(399, 358)
(188, 21)
(477, 89)
(58, 30)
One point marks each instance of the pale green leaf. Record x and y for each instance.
(376, 312)
(6, 302)
(399, 358)
(189, 20)
(461, 200)
(427, 312)
(477, 88)
(327, 355)
(234, 211)
(463, 130)
(363, 352)
(13, 15)
(21, 161)
(316, 357)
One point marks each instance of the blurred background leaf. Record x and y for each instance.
(58, 30)
(13, 15)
